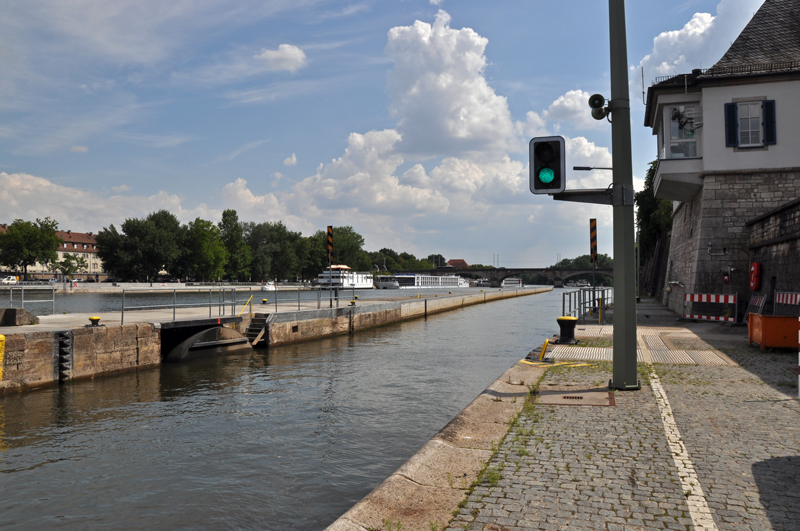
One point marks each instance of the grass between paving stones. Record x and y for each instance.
(594, 373)
(491, 475)
(596, 342)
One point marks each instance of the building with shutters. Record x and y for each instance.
(728, 152)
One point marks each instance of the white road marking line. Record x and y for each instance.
(698, 508)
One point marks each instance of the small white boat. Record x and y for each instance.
(269, 286)
(386, 282)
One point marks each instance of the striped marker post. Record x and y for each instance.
(593, 246)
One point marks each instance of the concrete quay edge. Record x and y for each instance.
(425, 490)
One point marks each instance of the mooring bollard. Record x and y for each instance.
(567, 326)
(94, 320)
(264, 301)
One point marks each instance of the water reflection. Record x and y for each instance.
(283, 439)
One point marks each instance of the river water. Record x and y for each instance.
(283, 439)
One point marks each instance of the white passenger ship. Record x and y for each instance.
(416, 280)
(512, 283)
(340, 276)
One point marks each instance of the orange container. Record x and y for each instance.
(771, 331)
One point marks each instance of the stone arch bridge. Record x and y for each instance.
(496, 275)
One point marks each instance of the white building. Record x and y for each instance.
(728, 151)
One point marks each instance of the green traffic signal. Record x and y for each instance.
(547, 165)
(546, 175)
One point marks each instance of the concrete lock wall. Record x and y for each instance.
(40, 358)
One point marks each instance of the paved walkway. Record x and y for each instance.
(712, 441)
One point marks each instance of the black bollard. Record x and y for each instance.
(567, 326)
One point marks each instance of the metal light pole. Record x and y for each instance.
(625, 373)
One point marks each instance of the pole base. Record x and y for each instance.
(624, 386)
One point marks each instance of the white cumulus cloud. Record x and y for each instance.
(573, 108)
(440, 96)
(29, 197)
(701, 42)
(364, 179)
(287, 57)
(290, 161)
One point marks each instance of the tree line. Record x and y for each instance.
(143, 248)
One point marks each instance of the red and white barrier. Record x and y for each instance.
(711, 318)
(787, 298)
(710, 297)
(716, 299)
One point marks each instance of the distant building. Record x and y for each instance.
(728, 154)
(74, 243)
(458, 263)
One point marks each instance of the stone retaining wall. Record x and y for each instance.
(40, 358)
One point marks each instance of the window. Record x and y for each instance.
(750, 124)
(680, 140)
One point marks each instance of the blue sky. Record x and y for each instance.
(408, 120)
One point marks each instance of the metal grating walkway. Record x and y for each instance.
(587, 353)
(687, 357)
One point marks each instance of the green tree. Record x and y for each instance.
(278, 253)
(144, 248)
(437, 260)
(25, 243)
(72, 264)
(257, 238)
(206, 249)
(239, 254)
(347, 248)
(653, 215)
(315, 258)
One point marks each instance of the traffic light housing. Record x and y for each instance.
(548, 167)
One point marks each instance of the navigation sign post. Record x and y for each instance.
(593, 247)
(330, 265)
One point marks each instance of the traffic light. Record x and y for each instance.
(547, 165)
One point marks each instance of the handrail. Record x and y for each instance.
(52, 298)
(584, 301)
(221, 301)
(245, 306)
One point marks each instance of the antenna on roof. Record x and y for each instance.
(643, 100)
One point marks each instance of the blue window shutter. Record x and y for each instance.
(731, 125)
(770, 131)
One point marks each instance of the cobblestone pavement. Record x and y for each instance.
(612, 468)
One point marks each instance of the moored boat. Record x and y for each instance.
(386, 282)
(340, 276)
(418, 281)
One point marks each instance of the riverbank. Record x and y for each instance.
(61, 348)
(643, 461)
